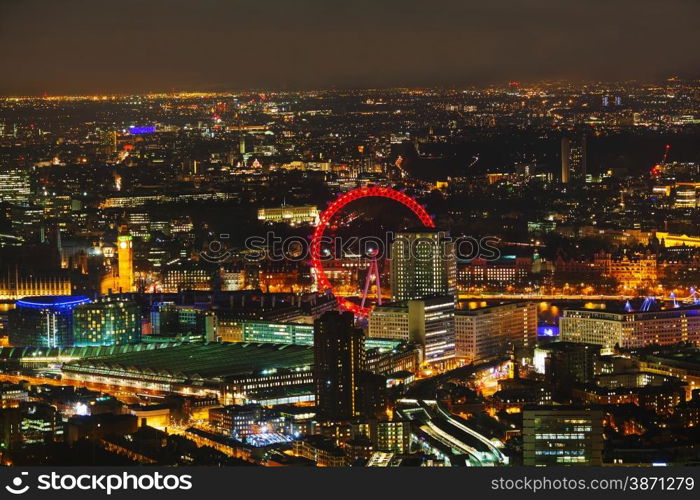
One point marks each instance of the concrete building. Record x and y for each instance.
(423, 264)
(428, 322)
(489, 332)
(631, 329)
(562, 436)
(109, 321)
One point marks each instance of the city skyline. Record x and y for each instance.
(475, 244)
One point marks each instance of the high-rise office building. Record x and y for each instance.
(389, 321)
(562, 436)
(45, 321)
(431, 323)
(423, 264)
(41, 423)
(339, 358)
(172, 320)
(573, 159)
(394, 435)
(15, 185)
(567, 363)
(428, 322)
(489, 332)
(110, 321)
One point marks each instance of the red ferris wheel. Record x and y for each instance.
(324, 220)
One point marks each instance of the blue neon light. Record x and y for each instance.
(548, 331)
(146, 129)
(52, 302)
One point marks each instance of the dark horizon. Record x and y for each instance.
(80, 47)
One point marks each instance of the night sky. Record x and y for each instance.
(93, 46)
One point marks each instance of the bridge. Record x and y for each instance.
(540, 296)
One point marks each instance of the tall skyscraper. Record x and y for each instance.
(573, 159)
(125, 255)
(339, 358)
(565, 153)
(423, 264)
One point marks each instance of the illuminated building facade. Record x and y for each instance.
(110, 321)
(41, 423)
(677, 240)
(45, 321)
(431, 323)
(639, 270)
(423, 264)
(406, 358)
(631, 329)
(180, 277)
(229, 329)
(281, 333)
(394, 435)
(290, 215)
(686, 195)
(321, 450)
(15, 285)
(428, 322)
(489, 332)
(389, 321)
(509, 270)
(15, 186)
(562, 436)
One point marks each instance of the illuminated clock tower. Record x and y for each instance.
(125, 254)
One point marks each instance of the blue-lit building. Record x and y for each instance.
(45, 321)
(142, 129)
